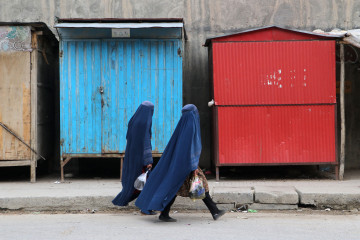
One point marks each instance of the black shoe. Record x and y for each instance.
(167, 218)
(151, 212)
(216, 216)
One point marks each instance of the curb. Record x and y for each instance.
(229, 198)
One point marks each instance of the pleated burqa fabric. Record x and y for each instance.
(138, 151)
(180, 157)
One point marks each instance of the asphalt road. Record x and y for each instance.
(195, 226)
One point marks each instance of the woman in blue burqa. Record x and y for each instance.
(178, 163)
(138, 153)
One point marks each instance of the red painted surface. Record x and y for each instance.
(290, 72)
(276, 134)
(275, 98)
(269, 34)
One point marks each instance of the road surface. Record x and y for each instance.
(190, 226)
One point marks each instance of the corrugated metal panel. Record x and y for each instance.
(256, 73)
(276, 134)
(129, 72)
(80, 98)
(141, 70)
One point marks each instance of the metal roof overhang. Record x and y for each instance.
(86, 30)
(353, 37)
(328, 35)
(117, 20)
(121, 25)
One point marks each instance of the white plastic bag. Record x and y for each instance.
(197, 190)
(140, 181)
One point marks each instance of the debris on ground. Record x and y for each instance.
(244, 207)
(90, 211)
(252, 211)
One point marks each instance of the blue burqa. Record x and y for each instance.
(137, 152)
(181, 156)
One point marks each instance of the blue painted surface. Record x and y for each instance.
(129, 72)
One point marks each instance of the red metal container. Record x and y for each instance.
(276, 134)
(275, 97)
(291, 72)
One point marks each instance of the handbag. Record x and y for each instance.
(197, 190)
(140, 181)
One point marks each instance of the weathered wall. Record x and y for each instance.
(203, 19)
(352, 106)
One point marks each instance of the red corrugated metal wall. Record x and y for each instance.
(276, 134)
(293, 72)
(275, 101)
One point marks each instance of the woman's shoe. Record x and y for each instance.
(216, 216)
(151, 212)
(167, 218)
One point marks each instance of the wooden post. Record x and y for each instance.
(342, 112)
(62, 165)
(62, 179)
(34, 105)
(121, 166)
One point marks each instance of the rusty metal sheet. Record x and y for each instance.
(15, 104)
(265, 73)
(276, 134)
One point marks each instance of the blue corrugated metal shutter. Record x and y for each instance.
(80, 103)
(131, 71)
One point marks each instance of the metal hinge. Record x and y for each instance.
(179, 52)
(61, 53)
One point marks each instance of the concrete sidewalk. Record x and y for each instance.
(49, 194)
